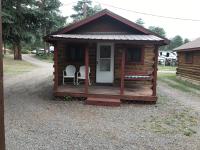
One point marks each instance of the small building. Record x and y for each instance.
(189, 61)
(119, 59)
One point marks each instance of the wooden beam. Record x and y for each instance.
(122, 72)
(55, 67)
(2, 130)
(155, 70)
(122, 97)
(86, 69)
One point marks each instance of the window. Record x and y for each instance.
(188, 57)
(134, 55)
(75, 54)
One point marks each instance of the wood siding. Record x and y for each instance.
(190, 71)
(105, 24)
(146, 66)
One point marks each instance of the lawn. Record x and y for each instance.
(14, 67)
(45, 57)
(166, 68)
(172, 81)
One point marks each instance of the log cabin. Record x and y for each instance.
(189, 61)
(116, 57)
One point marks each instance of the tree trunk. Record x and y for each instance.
(17, 51)
(45, 46)
(48, 47)
(4, 48)
(44, 34)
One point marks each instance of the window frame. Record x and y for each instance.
(192, 57)
(134, 62)
(70, 49)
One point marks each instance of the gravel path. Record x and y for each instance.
(185, 98)
(36, 121)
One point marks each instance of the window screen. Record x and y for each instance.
(134, 55)
(188, 57)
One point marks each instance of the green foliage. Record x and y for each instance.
(18, 20)
(186, 40)
(68, 98)
(172, 81)
(79, 9)
(140, 22)
(25, 51)
(25, 22)
(50, 20)
(45, 57)
(176, 42)
(158, 30)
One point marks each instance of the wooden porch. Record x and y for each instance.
(139, 92)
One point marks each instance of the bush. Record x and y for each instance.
(43, 56)
(25, 51)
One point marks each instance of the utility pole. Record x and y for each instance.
(2, 131)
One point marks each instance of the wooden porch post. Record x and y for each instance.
(2, 131)
(86, 69)
(155, 70)
(55, 67)
(122, 72)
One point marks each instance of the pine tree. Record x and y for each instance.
(83, 9)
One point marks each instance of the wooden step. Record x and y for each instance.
(102, 101)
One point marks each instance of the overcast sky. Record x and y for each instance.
(172, 8)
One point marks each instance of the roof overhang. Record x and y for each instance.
(186, 50)
(111, 37)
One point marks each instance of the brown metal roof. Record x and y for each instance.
(193, 45)
(125, 37)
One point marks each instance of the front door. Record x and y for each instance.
(105, 63)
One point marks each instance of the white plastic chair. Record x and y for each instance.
(69, 72)
(81, 75)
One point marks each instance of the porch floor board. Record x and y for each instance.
(106, 90)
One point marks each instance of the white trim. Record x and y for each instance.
(101, 76)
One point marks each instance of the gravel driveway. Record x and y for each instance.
(37, 121)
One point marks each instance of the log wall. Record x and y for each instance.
(190, 71)
(148, 64)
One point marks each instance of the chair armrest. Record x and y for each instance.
(77, 74)
(64, 73)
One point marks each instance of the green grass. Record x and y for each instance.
(172, 81)
(14, 67)
(45, 57)
(179, 121)
(166, 68)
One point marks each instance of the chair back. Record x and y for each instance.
(70, 70)
(82, 71)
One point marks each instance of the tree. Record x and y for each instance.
(158, 30)
(2, 130)
(19, 20)
(176, 42)
(140, 22)
(186, 40)
(50, 19)
(83, 9)
(25, 21)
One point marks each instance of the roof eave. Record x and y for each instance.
(53, 40)
(188, 49)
